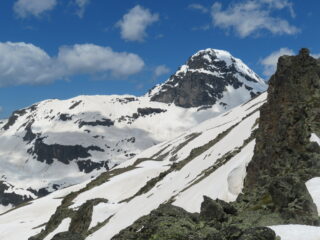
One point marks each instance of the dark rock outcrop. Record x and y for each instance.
(147, 111)
(13, 198)
(75, 104)
(29, 136)
(284, 158)
(63, 153)
(103, 122)
(65, 117)
(258, 233)
(88, 166)
(16, 114)
(174, 223)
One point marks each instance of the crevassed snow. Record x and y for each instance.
(313, 186)
(297, 232)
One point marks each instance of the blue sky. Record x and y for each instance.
(64, 48)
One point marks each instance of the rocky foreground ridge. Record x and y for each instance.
(284, 159)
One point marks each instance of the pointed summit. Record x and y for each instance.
(210, 76)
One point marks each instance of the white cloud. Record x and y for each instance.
(133, 25)
(250, 16)
(26, 8)
(161, 70)
(90, 58)
(270, 62)
(199, 7)
(22, 63)
(82, 4)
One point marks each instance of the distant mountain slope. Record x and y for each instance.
(58, 143)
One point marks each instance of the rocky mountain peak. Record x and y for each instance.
(209, 77)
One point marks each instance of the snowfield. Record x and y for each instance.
(297, 232)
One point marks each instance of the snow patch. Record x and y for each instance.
(297, 232)
(315, 138)
(313, 186)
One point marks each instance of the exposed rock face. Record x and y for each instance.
(104, 122)
(284, 157)
(174, 223)
(7, 198)
(204, 80)
(65, 154)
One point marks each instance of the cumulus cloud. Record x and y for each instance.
(90, 58)
(27, 8)
(199, 7)
(133, 24)
(81, 4)
(270, 62)
(161, 70)
(250, 16)
(22, 63)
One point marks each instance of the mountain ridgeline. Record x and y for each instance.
(58, 143)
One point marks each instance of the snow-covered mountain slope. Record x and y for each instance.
(170, 171)
(209, 159)
(57, 143)
(212, 77)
